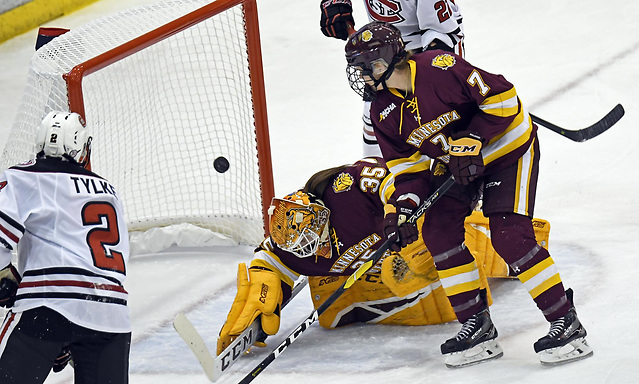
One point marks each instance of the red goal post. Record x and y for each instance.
(166, 89)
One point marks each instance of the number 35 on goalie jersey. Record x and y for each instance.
(69, 230)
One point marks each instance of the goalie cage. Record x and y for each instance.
(166, 89)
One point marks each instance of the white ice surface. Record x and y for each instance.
(571, 61)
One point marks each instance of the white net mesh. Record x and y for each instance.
(160, 117)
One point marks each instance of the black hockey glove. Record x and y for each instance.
(62, 360)
(337, 16)
(466, 162)
(9, 280)
(396, 228)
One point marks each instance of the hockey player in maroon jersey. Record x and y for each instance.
(66, 296)
(325, 231)
(436, 107)
(424, 25)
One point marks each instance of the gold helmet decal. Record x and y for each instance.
(444, 61)
(367, 36)
(343, 182)
(299, 226)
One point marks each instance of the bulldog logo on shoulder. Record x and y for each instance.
(443, 61)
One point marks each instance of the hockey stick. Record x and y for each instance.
(215, 367)
(587, 133)
(375, 257)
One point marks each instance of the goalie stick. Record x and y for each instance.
(215, 367)
(374, 259)
(587, 133)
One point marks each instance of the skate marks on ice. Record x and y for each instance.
(365, 348)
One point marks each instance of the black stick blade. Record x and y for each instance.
(587, 133)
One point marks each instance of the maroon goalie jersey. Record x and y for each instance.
(355, 198)
(449, 95)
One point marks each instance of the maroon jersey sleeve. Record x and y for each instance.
(449, 95)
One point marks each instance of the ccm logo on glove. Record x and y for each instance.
(263, 293)
(465, 146)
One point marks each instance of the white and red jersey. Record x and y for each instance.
(420, 21)
(69, 230)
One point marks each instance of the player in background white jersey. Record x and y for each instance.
(66, 293)
(424, 25)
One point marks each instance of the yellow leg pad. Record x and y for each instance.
(479, 243)
(369, 300)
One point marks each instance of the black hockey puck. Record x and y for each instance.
(221, 164)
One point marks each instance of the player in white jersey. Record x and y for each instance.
(424, 25)
(66, 295)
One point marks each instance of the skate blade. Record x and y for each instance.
(575, 350)
(485, 351)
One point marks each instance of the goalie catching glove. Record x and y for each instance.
(259, 293)
(337, 18)
(9, 280)
(466, 162)
(405, 275)
(397, 229)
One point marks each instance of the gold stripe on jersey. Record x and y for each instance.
(540, 277)
(505, 104)
(413, 73)
(515, 136)
(267, 259)
(387, 188)
(463, 278)
(406, 165)
(524, 171)
(411, 103)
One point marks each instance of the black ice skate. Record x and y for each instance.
(474, 343)
(565, 341)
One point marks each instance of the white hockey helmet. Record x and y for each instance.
(63, 134)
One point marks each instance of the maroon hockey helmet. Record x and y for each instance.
(373, 51)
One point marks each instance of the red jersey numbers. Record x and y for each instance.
(442, 8)
(2, 185)
(107, 234)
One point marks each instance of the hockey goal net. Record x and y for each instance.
(166, 89)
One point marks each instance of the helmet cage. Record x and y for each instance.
(299, 226)
(355, 76)
(376, 45)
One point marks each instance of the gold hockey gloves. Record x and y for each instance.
(259, 293)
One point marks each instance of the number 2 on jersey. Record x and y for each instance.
(92, 214)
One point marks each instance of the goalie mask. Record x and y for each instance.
(63, 134)
(299, 225)
(372, 52)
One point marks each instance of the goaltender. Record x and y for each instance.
(326, 231)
